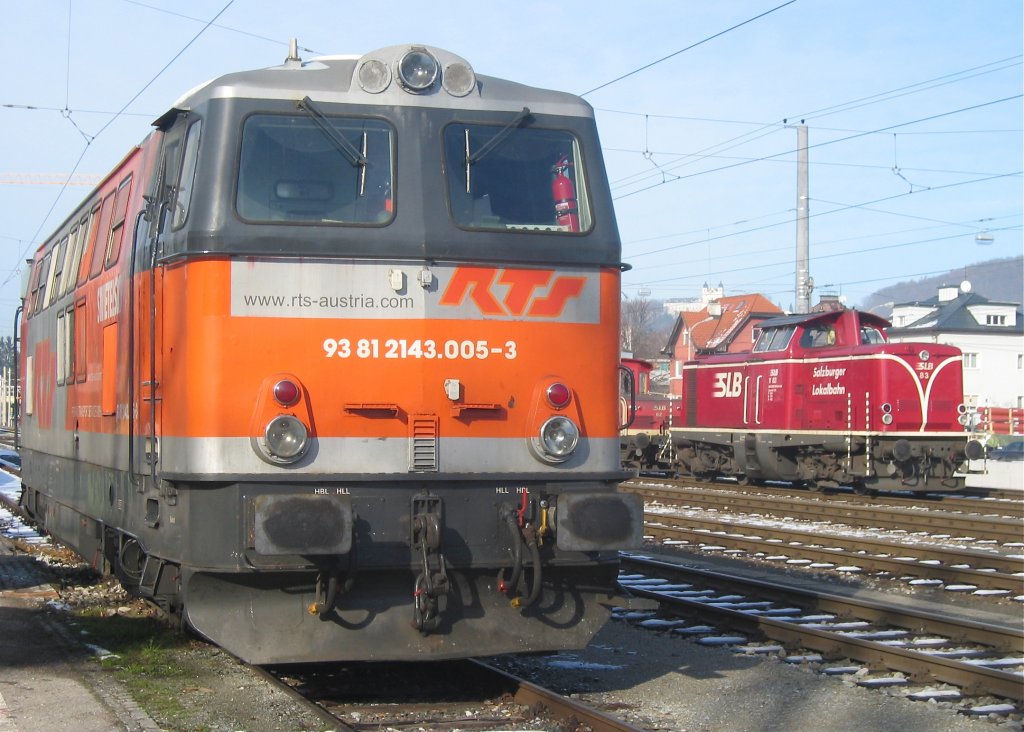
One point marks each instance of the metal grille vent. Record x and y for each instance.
(423, 443)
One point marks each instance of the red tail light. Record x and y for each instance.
(286, 393)
(558, 395)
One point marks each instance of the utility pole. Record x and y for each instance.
(804, 283)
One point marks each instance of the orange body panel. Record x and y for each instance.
(214, 367)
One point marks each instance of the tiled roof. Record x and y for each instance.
(710, 332)
(954, 315)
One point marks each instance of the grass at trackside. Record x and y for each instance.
(145, 655)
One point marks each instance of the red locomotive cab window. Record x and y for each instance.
(818, 336)
(774, 339)
(871, 336)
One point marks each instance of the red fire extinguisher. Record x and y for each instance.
(563, 192)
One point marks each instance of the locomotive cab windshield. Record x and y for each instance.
(515, 178)
(310, 167)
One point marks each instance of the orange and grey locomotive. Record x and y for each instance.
(327, 365)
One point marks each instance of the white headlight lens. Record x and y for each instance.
(559, 437)
(285, 439)
(374, 76)
(458, 79)
(417, 70)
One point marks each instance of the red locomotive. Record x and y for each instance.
(649, 419)
(824, 400)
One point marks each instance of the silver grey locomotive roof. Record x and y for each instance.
(332, 79)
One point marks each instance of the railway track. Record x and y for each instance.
(454, 695)
(881, 642)
(957, 569)
(457, 695)
(987, 501)
(990, 525)
(978, 551)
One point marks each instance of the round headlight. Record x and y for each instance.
(285, 439)
(458, 79)
(374, 76)
(417, 70)
(557, 439)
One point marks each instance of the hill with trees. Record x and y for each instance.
(999, 280)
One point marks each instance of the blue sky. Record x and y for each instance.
(913, 110)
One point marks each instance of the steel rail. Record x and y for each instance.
(561, 707)
(804, 545)
(998, 528)
(973, 678)
(1004, 502)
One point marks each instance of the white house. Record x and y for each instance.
(990, 334)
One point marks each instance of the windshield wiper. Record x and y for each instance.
(494, 142)
(498, 138)
(344, 146)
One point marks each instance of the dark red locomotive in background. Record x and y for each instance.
(822, 400)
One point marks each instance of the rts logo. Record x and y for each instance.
(534, 293)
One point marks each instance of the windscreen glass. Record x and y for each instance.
(293, 169)
(516, 178)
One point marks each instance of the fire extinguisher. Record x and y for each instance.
(563, 192)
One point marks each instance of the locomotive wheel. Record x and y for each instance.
(862, 490)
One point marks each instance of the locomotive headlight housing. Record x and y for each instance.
(374, 76)
(557, 440)
(417, 70)
(458, 79)
(285, 439)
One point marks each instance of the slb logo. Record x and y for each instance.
(727, 384)
(534, 293)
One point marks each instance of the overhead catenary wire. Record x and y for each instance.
(688, 48)
(766, 128)
(826, 143)
(789, 221)
(78, 162)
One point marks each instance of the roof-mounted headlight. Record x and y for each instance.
(458, 79)
(418, 70)
(374, 76)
